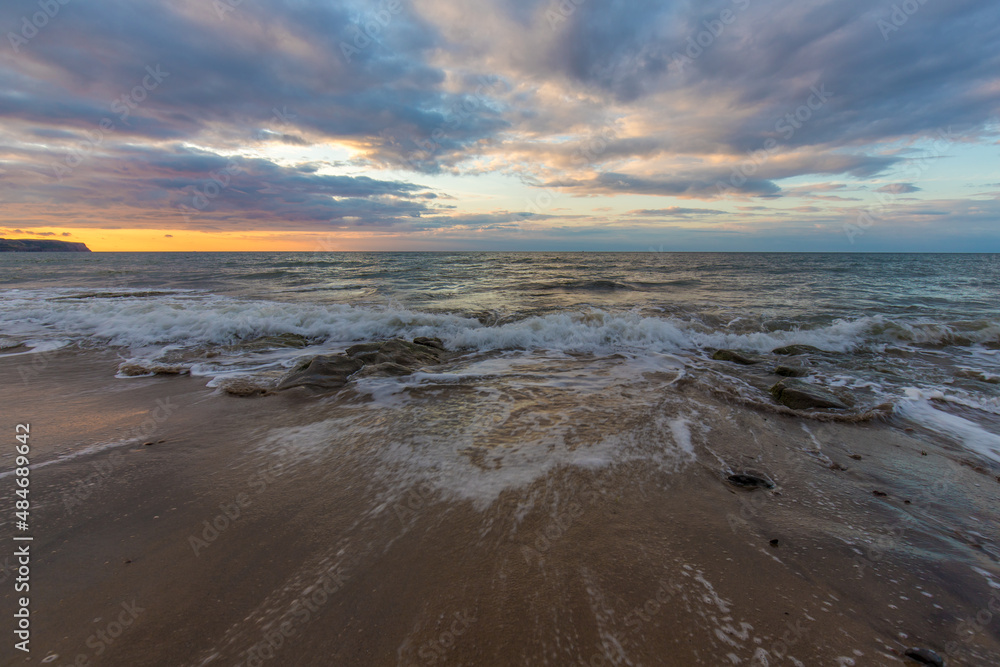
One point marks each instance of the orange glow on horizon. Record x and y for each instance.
(181, 240)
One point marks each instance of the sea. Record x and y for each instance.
(912, 338)
(596, 469)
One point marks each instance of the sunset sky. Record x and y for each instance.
(502, 124)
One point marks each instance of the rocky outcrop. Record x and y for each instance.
(791, 371)
(386, 358)
(800, 395)
(41, 245)
(734, 356)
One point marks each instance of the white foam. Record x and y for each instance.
(918, 407)
(195, 318)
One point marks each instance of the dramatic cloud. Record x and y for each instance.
(421, 115)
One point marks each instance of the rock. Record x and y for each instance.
(322, 372)
(244, 387)
(800, 395)
(879, 494)
(138, 370)
(385, 369)
(749, 481)
(924, 656)
(836, 466)
(733, 356)
(791, 371)
(429, 342)
(285, 340)
(774, 542)
(795, 349)
(384, 358)
(856, 457)
(396, 351)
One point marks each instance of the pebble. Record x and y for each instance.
(925, 656)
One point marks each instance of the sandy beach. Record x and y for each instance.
(262, 531)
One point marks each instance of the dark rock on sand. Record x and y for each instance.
(924, 656)
(383, 358)
(774, 542)
(323, 372)
(749, 481)
(244, 387)
(800, 395)
(138, 370)
(429, 342)
(791, 371)
(879, 494)
(733, 356)
(795, 349)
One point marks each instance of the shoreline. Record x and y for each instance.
(655, 560)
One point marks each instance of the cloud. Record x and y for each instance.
(899, 188)
(674, 211)
(601, 99)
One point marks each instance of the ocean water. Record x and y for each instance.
(917, 336)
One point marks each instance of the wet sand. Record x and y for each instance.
(339, 556)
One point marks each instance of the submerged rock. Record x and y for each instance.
(271, 342)
(795, 349)
(429, 342)
(791, 371)
(323, 372)
(800, 395)
(925, 656)
(380, 359)
(733, 356)
(750, 481)
(395, 351)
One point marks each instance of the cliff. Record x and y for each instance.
(41, 245)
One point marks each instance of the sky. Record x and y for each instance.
(320, 125)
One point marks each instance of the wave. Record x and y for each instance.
(191, 319)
